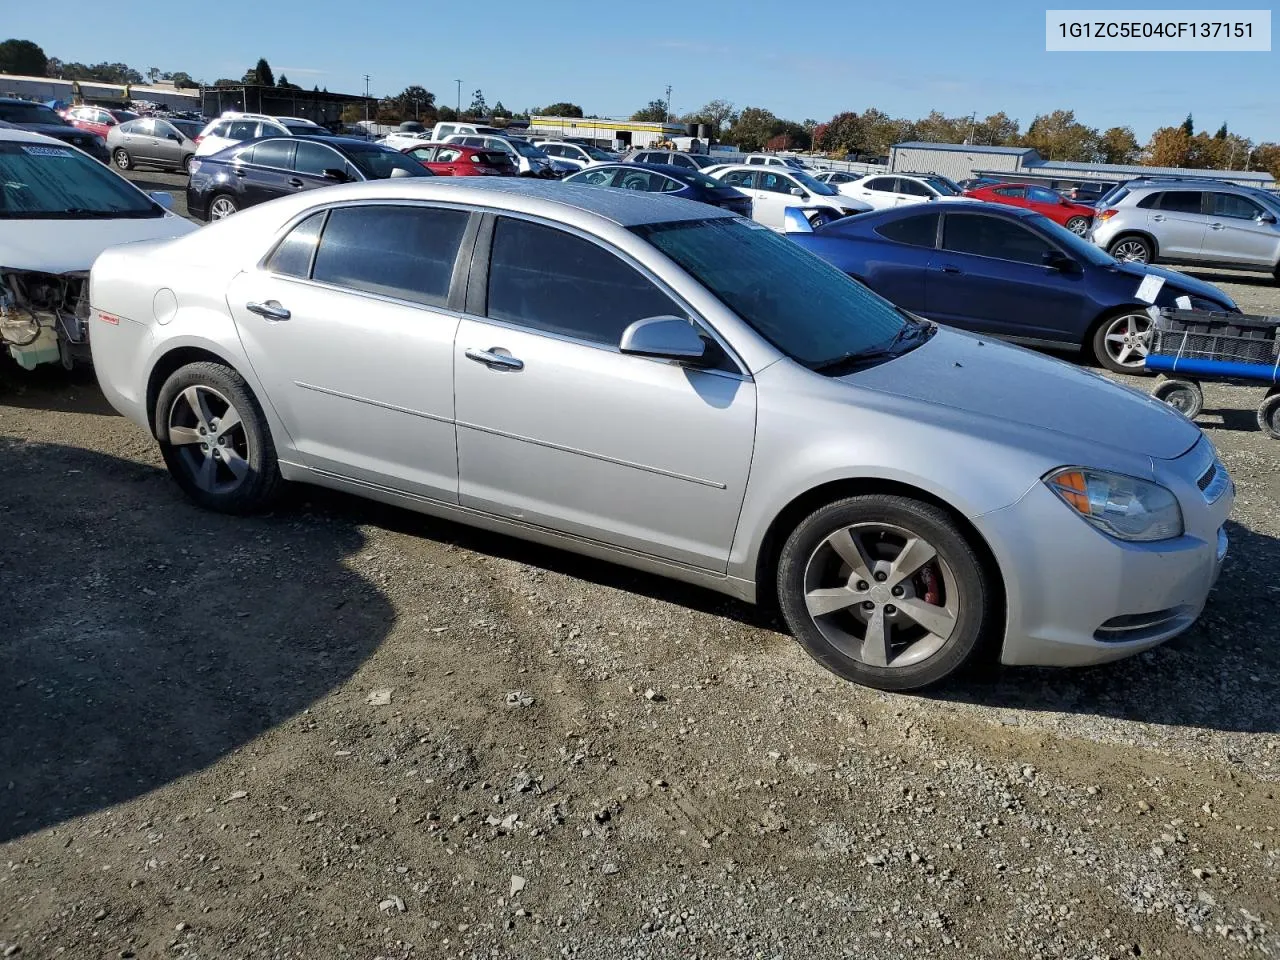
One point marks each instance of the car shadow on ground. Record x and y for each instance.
(1219, 276)
(1222, 674)
(142, 639)
(51, 387)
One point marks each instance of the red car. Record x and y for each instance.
(455, 160)
(1076, 217)
(97, 120)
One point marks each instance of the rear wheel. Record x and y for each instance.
(821, 218)
(884, 591)
(122, 159)
(1078, 225)
(1269, 415)
(222, 207)
(1136, 249)
(215, 440)
(1122, 341)
(1185, 396)
(186, 164)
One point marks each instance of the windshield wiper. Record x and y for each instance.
(914, 329)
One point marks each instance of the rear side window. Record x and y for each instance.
(404, 252)
(880, 183)
(683, 161)
(293, 257)
(271, 153)
(243, 130)
(640, 180)
(220, 129)
(997, 237)
(1008, 191)
(918, 231)
(1149, 202)
(555, 282)
(1181, 201)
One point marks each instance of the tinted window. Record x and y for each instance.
(29, 113)
(271, 153)
(640, 180)
(60, 182)
(220, 129)
(992, 237)
(1041, 195)
(594, 176)
(293, 257)
(1233, 205)
(316, 158)
(683, 161)
(739, 178)
(880, 183)
(243, 130)
(1181, 201)
(1150, 201)
(404, 252)
(552, 281)
(776, 183)
(1009, 191)
(919, 231)
(378, 162)
(913, 188)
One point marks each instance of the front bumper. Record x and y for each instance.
(1077, 597)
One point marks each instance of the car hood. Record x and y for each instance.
(1174, 279)
(70, 246)
(990, 379)
(57, 130)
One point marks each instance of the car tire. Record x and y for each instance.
(1269, 415)
(221, 206)
(1078, 225)
(821, 219)
(1185, 396)
(229, 469)
(870, 634)
(1131, 247)
(186, 164)
(120, 157)
(1127, 354)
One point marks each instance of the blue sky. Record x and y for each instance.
(797, 59)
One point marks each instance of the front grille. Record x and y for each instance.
(1138, 626)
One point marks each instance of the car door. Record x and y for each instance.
(774, 197)
(311, 160)
(911, 191)
(448, 162)
(744, 181)
(990, 275)
(1237, 232)
(900, 273)
(166, 144)
(265, 170)
(880, 192)
(1177, 221)
(558, 428)
(360, 366)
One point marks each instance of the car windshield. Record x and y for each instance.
(45, 182)
(813, 185)
(595, 153)
(29, 113)
(1077, 247)
(524, 148)
(943, 186)
(304, 129)
(377, 162)
(124, 116)
(805, 307)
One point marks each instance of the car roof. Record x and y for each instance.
(669, 169)
(17, 134)
(782, 168)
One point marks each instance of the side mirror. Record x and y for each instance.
(1267, 217)
(164, 199)
(333, 173)
(668, 338)
(797, 192)
(794, 221)
(1056, 260)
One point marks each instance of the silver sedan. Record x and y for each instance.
(653, 382)
(154, 142)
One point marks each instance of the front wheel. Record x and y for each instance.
(1121, 342)
(1078, 225)
(1269, 415)
(821, 218)
(215, 440)
(122, 158)
(1185, 396)
(884, 591)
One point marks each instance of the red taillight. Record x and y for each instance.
(197, 140)
(1106, 215)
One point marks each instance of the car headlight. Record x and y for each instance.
(1123, 507)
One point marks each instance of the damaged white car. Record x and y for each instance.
(59, 209)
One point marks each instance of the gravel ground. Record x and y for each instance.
(343, 730)
(174, 184)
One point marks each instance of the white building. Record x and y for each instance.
(91, 91)
(606, 132)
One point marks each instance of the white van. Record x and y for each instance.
(442, 130)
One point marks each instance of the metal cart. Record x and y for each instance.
(1192, 346)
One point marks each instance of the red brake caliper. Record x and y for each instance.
(928, 586)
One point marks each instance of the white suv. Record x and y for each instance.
(775, 189)
(897, 190)
(232, 128)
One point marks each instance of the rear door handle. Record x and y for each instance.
(950, 268)
(1158, 219)
(1217, 226)
(492, 360)
(271, 310)
(295, 182)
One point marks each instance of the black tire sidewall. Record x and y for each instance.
(1171, 386)
(1269, 416)
(222, 196)
(923, 519)
(262, 486)
(1071, 220)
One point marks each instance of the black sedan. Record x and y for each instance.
(664, 178)
(258, 170)
(37, 118)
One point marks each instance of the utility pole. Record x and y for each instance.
(459, 83)
(972, 117)
(367, 78)
(667, 118)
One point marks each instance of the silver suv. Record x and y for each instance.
(1199, 222)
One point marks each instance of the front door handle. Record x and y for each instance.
(271, 310)
(950, 268)
(1158, 218)
(295, 182)
(1217, 226)
(494, 361)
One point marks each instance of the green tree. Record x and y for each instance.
(102, 72)
(263, 71)
(478, 107)
(754, 128)
(284, 84)
(1222, 132)
(447, 114)
(23, 57)
(1188, 126)
(1266, 156)
(655, 111)
(561, 109)
(1168, 147)
(717, 113)
(182, 80)
(1057, 136)
(997, 130)
(1118, 145)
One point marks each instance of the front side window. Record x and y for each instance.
(54, 182)
(220, 129)
(913, 188)
(1013, 193)
(986, 236)
(918, 231)
(378, 163)
(405, 252)
(1181, 201)
(424, 154)
(639, 180)
(447, 154)
(739, 178)
(596, 176)
(1234, 206)
(22, 113)
(776, 183)
(1041, 195)
(292, 258)
(315, 158)
(555, 282)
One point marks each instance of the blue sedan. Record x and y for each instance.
(664, 178)
(1007, 272)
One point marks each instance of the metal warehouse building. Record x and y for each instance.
(959, 161)
(607, 132)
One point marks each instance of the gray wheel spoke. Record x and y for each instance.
(206, 476)
(195, 400)
(914, 555)
(237, 464)
(1123, 356)
(228, 421)
(850, 551)
(829, 600)
(937, 620)
(875, 646)
(178, 436)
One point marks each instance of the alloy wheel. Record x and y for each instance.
(1128, 340)
(1078, 225)
(221, 208)
(1134, 251)
(210, 437)
(881, 595)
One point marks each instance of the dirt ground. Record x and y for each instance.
(347, 731)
